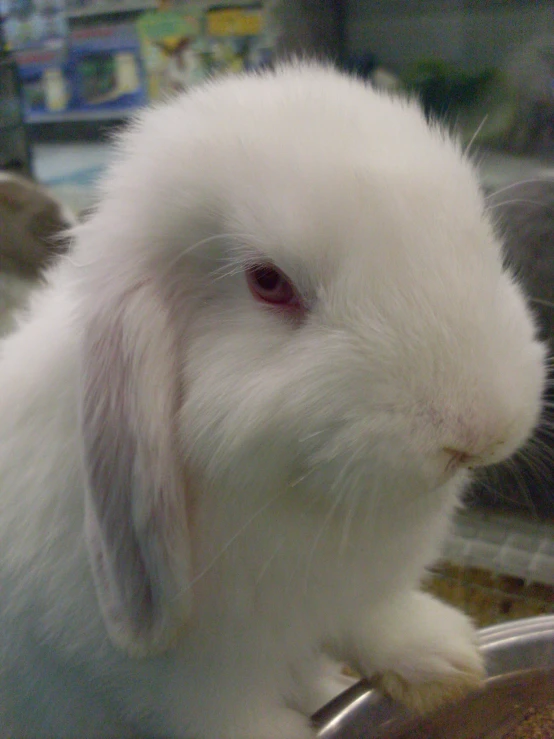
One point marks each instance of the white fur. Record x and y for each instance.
(278, 486)
(15, 292)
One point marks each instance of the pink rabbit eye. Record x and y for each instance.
(270, 285)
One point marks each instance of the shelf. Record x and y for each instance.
(69, 116)
(108, 8)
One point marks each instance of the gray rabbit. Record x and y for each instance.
(530, 73)
(525, 218)
(32, 225)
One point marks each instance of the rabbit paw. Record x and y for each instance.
(453, 681)
(423, 653)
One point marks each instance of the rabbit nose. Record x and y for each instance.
(459, 458)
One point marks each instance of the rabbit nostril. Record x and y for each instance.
(458, 458)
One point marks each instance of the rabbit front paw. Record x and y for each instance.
(422, 653)
(452, 680)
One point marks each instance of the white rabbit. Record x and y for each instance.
(235, 428)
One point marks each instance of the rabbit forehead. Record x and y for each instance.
(327, 219)
(310, 168)
(303, 130)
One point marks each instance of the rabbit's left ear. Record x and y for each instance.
(136, 517)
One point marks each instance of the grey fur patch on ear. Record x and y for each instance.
(136, 520)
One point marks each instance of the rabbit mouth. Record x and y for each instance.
(457, 459)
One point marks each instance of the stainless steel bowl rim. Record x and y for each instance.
(521, 645)
(526, 627)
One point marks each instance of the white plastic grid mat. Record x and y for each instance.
(507, 545)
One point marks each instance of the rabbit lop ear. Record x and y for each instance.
(136, 517)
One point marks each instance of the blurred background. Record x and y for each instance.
(86, 65)
(72, 73)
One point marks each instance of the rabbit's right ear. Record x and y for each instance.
(136, 517)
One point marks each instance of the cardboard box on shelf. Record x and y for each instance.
(44, 79)
(172, 50)
(106, 68)
(30, 24)
(236, 38)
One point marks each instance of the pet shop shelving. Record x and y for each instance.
(117, 54)
(15, 153)
(91, 8)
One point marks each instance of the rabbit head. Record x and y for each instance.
(290, 286)
(32, 226)
(32, 237)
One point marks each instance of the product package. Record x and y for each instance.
(236, 38)
(173, 50)
(31, 24)
(45, 82)
(106, 68)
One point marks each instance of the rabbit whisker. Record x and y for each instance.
(244, 528)
(203, 242)
(547, 304)
(284, 539)
(338, 499)
(494, 206)
(235, 537)
(269, 561)
(514, 470)
(476, 133)
(532, 180)
(349, 517)
(236, 270)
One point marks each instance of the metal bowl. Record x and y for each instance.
(520, 664)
